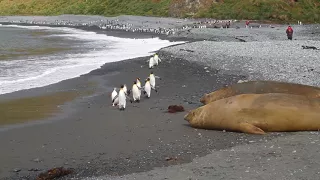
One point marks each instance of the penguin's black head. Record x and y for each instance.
(134, 82)
(151, 72)
(122, 86)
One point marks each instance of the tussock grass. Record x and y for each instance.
(307, 11)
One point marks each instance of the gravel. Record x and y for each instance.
(288, 157)
(279, 60)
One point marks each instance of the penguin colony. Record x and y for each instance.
(117, 24)
(120, 98)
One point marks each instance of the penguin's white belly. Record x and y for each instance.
(136, 93)
(114, 93)
(125, 89)
(122, 100)
(152, 81)
(139, 85)
(151, 62)
(156, 60)
(147, 88)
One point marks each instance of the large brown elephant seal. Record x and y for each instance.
(257, 113)
(261, 87)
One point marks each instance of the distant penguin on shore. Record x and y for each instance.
(156, 59)
(113, 95)
(136, 93)
(122, 96)
(152, 78)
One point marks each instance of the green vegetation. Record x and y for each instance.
(34, 108)
(274, 10)
(92, 7)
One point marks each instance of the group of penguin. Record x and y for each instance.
(120, 98)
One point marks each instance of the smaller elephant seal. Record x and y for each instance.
(261, 87)
(258, 113)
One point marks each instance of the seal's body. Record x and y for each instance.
(257, 113)
(261, 87)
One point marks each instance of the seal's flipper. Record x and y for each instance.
(250, 129)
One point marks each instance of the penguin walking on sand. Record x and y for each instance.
(136, 93)
(151, 62)
(122, 96)
(152, 78)
(147, 88)
(114, 100)
(156, 59)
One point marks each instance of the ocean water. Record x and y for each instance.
(36, 56)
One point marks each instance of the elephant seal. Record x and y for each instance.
(261, 87)
(257, 113)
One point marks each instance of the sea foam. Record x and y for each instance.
(44, 71)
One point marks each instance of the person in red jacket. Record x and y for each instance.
(289, 32)
(247, 23)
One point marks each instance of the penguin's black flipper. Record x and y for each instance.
(129, 91)
(115, 98)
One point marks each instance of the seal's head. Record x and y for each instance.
(191, 116)
(204, 98)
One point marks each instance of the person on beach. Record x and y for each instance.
(247, 23)
(289, 32)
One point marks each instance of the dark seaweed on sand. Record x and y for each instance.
(175, 108)
(54, 173)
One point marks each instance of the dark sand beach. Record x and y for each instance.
(96, 139)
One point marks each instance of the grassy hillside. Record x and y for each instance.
(275, 10)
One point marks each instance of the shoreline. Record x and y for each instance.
(96, 139)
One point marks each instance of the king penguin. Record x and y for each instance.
(156, 59)
(152, 78)
(147, 87)
(113, 95)
(122, 96)
(136, 93)
(151, 62)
